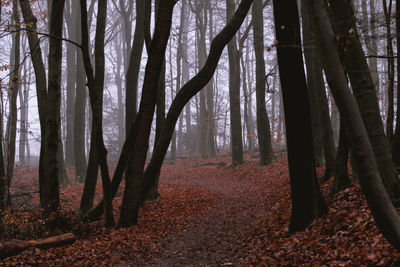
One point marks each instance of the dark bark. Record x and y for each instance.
(341, 177)
(378, 200)
(142, 125)
(234, 93)
(40, 74)
(132, 74)
(308, 47)
(50, 199)
(316, 86)
(190, 89)
(365, 94)
(396, 137)
(263, 127)
(307, 201)
(96, 86)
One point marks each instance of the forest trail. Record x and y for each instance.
(210, 216)
(215, 238)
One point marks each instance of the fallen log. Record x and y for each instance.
(15, 246)
(211, 164)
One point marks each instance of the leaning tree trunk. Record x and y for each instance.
(378, 200)
(316, 81)
(142, 125)
(190, 89)
(307, 201)
(365, 94)
(96, 86)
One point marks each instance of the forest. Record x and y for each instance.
(199, 133)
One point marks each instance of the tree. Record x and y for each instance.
(190, 89)
(142, 125)
(263, 128)
(132, 73)
(50, 197)
(14, 87)
(364, 92)
(96, 86)
(234, 93)
(307, 201)
(378, 200)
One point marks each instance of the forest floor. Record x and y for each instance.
(208, 215)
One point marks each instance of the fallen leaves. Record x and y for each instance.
(212, 215)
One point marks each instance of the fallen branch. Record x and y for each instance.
(211, 164)
(16, 246)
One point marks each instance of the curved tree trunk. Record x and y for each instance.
(378, 200)
(365, 94)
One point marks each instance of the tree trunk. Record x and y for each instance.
(308, 43)
(396, 137)
(51, 141)
(79, 109)
(263, 128)
(234, 93)
(71, 18)
(341, 177)
(142, 125)
(365, 94)
(307, 201)
(378, 200)
(190, 89)
(132, 74)
(96, 86)
(14, 87)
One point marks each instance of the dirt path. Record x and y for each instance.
(215, 239)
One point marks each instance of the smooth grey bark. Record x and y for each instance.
(263, 126)
(383, 211)
(79, 109)
(70, 18)
(312, 91)
(234, 93)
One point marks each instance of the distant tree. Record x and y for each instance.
(234, 93)
(263, 127)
